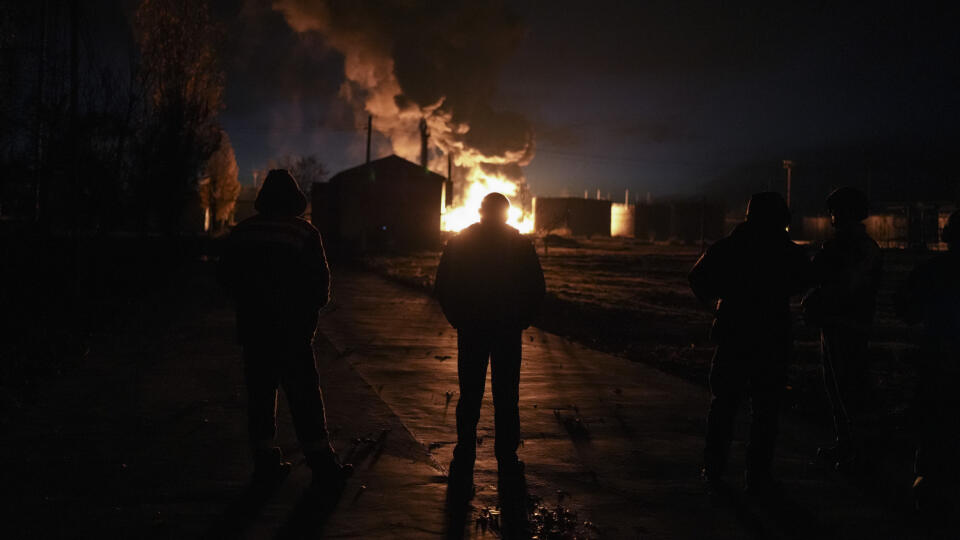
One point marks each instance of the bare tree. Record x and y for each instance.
(184, 85)
(306, 169)
(220, 188)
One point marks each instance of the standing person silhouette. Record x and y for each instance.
(275, 269)
(490, 286)
(846, 272)
(750, 275)
(931, 295)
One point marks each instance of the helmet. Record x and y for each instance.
(951, 231)
(769, 209)
(847, 204)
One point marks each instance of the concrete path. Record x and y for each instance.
(147, 439)
(617, 442)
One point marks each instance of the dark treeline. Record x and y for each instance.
(110, 150)
(110, 117)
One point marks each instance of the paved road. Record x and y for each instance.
(620, 441)
(147, 439)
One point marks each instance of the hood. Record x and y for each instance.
(280, 196)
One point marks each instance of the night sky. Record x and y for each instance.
(670, 97)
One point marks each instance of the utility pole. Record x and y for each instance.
(424, 141)
(369, 132)
(74, 106)
(41, 72)
(446, 195)
(703, 211)
(788, 165)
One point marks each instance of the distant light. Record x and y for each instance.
(383, 227)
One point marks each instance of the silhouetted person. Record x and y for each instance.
(753, 272)
(931, 295)
(275, 268)
(490, 286)
(846, 272)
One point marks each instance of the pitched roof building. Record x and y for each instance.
(386, 204)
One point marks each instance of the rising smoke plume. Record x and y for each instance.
(405, 60)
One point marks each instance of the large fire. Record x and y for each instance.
(446, 89)
(478, 185)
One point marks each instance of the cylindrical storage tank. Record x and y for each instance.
(622, 220)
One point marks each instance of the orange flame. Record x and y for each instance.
(478, 185)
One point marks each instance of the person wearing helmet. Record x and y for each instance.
(275, 269)
(490, 286)
(847, 271)
(931, 295)
(749, 277)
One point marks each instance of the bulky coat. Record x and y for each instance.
(490, 278)
(753, 272)
(274, 266)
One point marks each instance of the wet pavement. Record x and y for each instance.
(147, 440)
(616, 443)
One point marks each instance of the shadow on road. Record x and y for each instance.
(772, 516)
(240, 514)
(306, 519)
(310, 514)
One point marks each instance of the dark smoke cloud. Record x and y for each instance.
(266, 61)
(405, 60)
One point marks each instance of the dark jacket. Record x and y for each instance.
(846, 272)
(490, 277)
(753, 272)
(931, 295)
(276, 270)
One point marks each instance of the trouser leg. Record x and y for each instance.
(834, 380)
(937, 448)
(302, 386)
(505, 360)
(720, 423)
(262, 380)
(726, 385)
(764, 427)
(472, 355)
(938, 428)
(844, 375)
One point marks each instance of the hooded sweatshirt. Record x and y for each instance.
(275, 268)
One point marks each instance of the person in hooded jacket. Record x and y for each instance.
(490, 286)
(846, 271)
(274, 267)
(750, 276)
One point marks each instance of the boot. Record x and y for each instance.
(270, 467)
(328, 472)
(460, 487)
